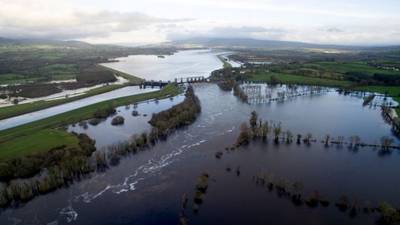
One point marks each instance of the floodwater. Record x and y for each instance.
(52, 111)
(147, 188)
(182, 64)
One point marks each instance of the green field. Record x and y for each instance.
(74, 116)
(362, 67)
(37, 142)
(295, 79)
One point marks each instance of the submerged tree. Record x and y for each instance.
(264, 130)
(386, 143)
(289, 137)
(244, 135)
(253, 120)
(298, 139)
(327, 137)
(389, 215)
(354, 141)
(308, 138)
(277, 132)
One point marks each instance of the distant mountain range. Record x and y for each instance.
(262, 44)
(200, 42)
(55, 43)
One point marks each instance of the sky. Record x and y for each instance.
(135, 22)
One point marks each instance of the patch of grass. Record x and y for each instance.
(393, 91)
(12, 78)
(37, 142)
(131, 78)
(295, 79)
(87, 112)
(223, 60)
(362, 67)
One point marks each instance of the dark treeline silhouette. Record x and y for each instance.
(180, 115)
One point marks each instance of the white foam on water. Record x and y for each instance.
(14, 220)
(55, 222)
(69, 213)
(130, 182)
(150, 167)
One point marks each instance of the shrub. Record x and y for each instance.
(118, 120)
(104, 113)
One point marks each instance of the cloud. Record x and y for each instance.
(333, 30)
(17, 21)
(256, 32)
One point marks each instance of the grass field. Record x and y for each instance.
(37, 142)
(26, 130)
(295, 79)
(362, 67)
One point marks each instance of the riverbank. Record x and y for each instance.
(20, 109)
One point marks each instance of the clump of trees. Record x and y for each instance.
(201, 189)
(238, 92)
(118, 120)
(178, 116)
(244, 136)
(226, 85)
(389, 215)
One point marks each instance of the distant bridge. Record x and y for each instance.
(180, 80)
(192, 79)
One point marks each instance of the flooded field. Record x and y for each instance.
(147, 188)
